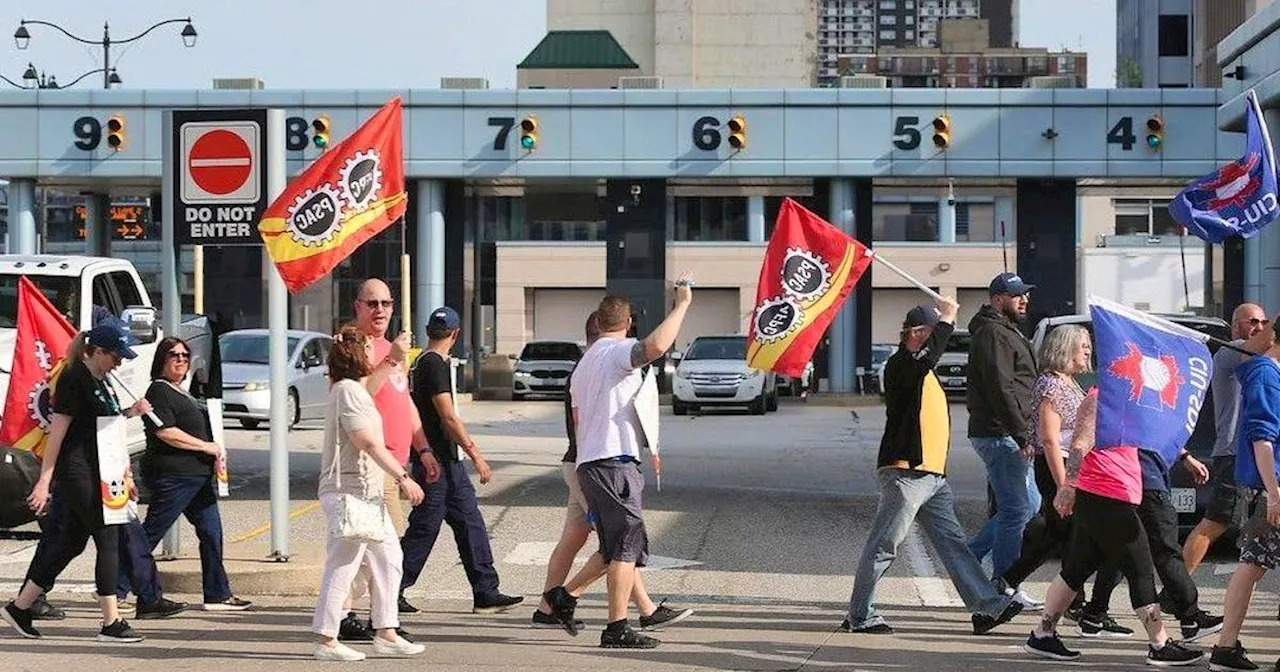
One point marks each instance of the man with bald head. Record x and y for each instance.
(402, 426)
(1228, 506)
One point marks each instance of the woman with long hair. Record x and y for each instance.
(354, 462)
(70, 470)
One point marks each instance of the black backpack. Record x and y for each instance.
(19, 471)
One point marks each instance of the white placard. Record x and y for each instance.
(119, 505)
(217, 429)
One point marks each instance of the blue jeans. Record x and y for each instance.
(907, 496)
(452, 500)
(1017, 499)
(172, 497)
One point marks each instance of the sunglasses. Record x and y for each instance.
(179, 355)
(374, 304)
(1257, 322)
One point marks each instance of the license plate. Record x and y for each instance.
(953, 382)
(1184, 500)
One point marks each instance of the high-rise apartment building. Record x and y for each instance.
(870, 26)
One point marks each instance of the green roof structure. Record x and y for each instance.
(578, 50)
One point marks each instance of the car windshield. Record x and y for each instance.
(880, 353)
(63, 291)
(248, 348)
(959, 342)
(569, 352)
(718, 348)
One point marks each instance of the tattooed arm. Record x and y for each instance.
(1082, 441)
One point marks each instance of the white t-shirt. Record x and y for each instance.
(603, 388)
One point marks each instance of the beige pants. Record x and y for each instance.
(395, 511)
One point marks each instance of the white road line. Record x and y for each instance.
(933, 591)
(538, 554)
(1224, 568)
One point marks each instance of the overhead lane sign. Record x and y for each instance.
(220, 181)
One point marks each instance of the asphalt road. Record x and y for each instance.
(757, 526)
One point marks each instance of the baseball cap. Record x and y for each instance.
(109, 335)
(1009, 283)
(920, 316)
(444, 317)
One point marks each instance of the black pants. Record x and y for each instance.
(1161, 523)
(67, 539)
(1110, 531)
(1048, 533)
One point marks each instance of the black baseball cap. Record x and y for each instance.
(1010, 284)
(920, 316)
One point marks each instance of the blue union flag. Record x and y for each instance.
(1239, 198)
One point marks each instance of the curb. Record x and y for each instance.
(248, 576)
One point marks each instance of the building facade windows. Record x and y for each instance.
(1144, 217)
(710, 218)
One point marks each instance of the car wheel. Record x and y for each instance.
(678, 407)
(772, 404)
(249, 423)
(758, 406)
(292, 409)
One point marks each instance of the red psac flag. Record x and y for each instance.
(350, 194)
(42, 339)
(809, 269)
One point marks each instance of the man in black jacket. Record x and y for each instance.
(912, 471)
(1002, 373)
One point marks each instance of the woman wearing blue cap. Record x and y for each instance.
(70, 471)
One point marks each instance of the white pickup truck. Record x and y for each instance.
(78, 285)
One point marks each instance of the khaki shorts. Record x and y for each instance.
(576, 509)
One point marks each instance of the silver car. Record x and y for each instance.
(246, 372)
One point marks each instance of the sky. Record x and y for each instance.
(343, 44)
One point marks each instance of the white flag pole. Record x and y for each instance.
(904, 275)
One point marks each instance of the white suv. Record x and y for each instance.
(714, 372)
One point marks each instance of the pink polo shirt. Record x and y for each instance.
(394, 405)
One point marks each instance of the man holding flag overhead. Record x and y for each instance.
(1153, 376)
(1239, 198)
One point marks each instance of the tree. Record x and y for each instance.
(1128, 74)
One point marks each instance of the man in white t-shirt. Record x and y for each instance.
(604, 387)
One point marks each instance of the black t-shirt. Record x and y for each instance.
(431, 377)
(176, 408)
(84, 398)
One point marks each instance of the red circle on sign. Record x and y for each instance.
(220, 162)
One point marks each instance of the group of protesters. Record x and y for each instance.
(1109, 512)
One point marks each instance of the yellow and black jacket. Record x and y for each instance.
(917, 431)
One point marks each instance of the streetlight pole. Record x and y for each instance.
(22, 37)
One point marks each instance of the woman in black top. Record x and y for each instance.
(70, 470)
(179, 470)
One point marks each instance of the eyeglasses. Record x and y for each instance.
(179, 355)
(374, 304)
(1258, 322)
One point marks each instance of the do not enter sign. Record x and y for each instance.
(220, 162)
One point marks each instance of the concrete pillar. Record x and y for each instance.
(97, 225)
(22, 216)
(428, 267)
(755, 219)
(841, 353)
(1003, 211)
(946, 220)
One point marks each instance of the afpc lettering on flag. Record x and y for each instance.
(1238, 199)
(809, 269)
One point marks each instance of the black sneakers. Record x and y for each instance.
(626, 637)
(1101, 625)
(1200, 625)
(405, 608)
(1050, 647)
(354, 629)
(1172, 654)
(119, 633)
(1229, 660)
(161, 608)
(495, 605)
(20, 619)
(547, 621)
(562, 607)
(982, 623)
(43, 611)
(880, 628)
(663, 616)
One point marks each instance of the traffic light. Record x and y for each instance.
(115, 132)
(529, 132)
(942, 131)
(1155, 132)
(322, 127)
(738, 132)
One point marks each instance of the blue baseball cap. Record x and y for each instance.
(109, 335)
(1010, 284)
(444, 317)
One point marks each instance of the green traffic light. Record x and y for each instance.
(527, 141)
(321, 141)
(1153, 141)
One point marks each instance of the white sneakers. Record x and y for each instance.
(401, 648)
(1028, 603)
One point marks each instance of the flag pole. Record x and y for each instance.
(406, 282)
(904, 275)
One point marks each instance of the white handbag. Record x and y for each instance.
(356, 518)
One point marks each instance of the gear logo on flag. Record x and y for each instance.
(805, 275)
(361, 179)
(316, 216)
(40, 403)
(44, 356)
(777, 317)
